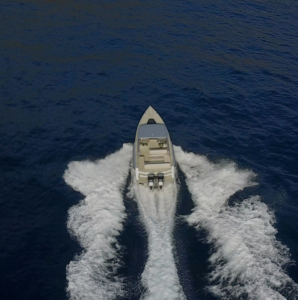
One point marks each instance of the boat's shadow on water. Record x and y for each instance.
(191, 252)
(134, 248)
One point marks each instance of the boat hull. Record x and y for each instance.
(153, 153)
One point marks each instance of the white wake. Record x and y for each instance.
(247, 259)
(96, 222)
(157, 209)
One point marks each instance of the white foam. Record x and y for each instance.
(96, 222)
(247, 260)
(157, 209)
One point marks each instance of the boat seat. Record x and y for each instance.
(141, 162)
(144, 141)
(157, 152)
(155, 158)
(167, 158)
(157, 166)
(144, 150)
(153, 143)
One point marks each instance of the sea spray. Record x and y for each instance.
(96, 222)
(247, 260)
(157, 208)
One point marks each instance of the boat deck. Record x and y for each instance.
(153, 156)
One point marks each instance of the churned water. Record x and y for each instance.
(75, 78)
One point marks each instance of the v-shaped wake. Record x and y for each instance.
(247, 260)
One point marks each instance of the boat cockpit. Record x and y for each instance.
(154, 153)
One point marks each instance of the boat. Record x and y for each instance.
(153, 153)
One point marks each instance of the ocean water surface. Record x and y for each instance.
(76, 77)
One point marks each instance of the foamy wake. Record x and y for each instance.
(157, 208)
(96, 222)
(247, 261)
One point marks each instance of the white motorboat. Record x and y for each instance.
(153, 154)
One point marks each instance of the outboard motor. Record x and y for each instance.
(151, 180)
(160, 178)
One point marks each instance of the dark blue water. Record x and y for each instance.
(75, 78)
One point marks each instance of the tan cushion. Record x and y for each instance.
(157, 166)
(153, 143)
(141, 162)
(144, 150)
(167, 158)
(157, 152)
